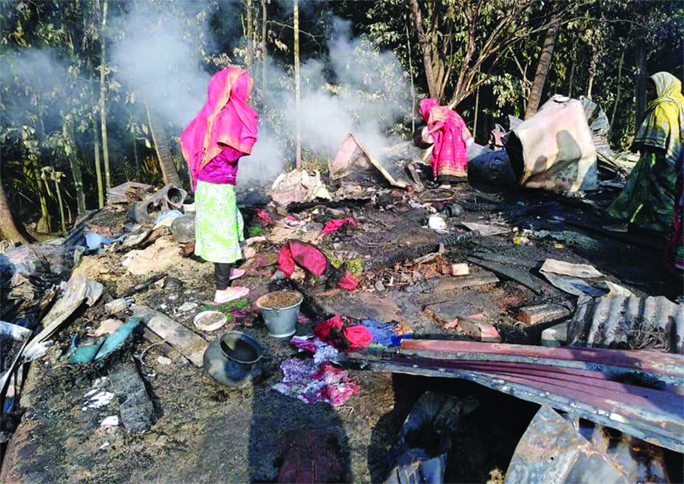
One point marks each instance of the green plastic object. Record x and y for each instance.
(105, 346)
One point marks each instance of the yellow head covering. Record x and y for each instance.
(664, 124)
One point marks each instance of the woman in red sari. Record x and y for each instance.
(450, 137)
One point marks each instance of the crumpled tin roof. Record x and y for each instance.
(620, 321)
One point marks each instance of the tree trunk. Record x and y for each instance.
(76, 172)
(572, 76)
(542, 69)
(298, 91)
(590, 84)
(44, 224)
(103, 95)
(8, 230)
(264, 33)
(640, 84)
(161, 146)
(617, 94)
(248, 32)
(55, 178)
(98, 167)
(425, 47)
(413, 87)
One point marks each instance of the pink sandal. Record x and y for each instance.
(230, 294)
(237, 273)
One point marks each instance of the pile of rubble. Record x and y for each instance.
(470, 275)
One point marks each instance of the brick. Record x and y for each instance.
(542, 313)
(459, 269)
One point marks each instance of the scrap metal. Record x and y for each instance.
(629, 322)
(638, 392)
(557, 449)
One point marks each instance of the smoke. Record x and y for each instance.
(356, 89)
(160, 57)
(162, 52)
(38, 77)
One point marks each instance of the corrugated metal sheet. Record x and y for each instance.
(620, 321)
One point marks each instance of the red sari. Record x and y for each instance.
(450, 154)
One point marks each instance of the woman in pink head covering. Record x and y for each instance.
(449, 135)
(223, 131)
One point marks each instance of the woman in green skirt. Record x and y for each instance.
(224, 130)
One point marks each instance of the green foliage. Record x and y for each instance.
(48, 109)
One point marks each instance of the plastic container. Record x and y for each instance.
(281, 322)
(203, 318)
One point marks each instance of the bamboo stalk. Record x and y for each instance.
(298, 92)
(103, 95)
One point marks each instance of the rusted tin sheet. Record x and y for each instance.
(660, 363)
(560, 450)
(621, 321)
(634, 414)
(551, 451)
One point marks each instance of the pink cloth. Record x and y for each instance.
(225, 120)
(333, 225)
(333, 329)
(222, 169)
(450, 154)
(302, 254)
(349, 281)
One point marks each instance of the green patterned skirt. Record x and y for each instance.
(218, 223)
(648, 197)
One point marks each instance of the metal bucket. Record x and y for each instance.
(281, 322)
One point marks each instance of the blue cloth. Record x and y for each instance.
(383, 334)
(169, 214)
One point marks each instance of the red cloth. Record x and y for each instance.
(450, 153)
(349, 281)
(358, 336)
(226, 119)
(304, 255)
(263, 215)
(322, 330)
(333, 225)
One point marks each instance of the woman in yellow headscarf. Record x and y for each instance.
(647, 200)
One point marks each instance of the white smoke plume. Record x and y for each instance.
(361, 91)
(160, 58)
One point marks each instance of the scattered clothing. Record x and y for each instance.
(335, 224)
(165, 219)
(649, 194)
(451, 136)
(387, 334)
(304, 255)
(313, 260)
(349, 281)
(333, 331)
(321, 351)
(311, 383)
(263, 215)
